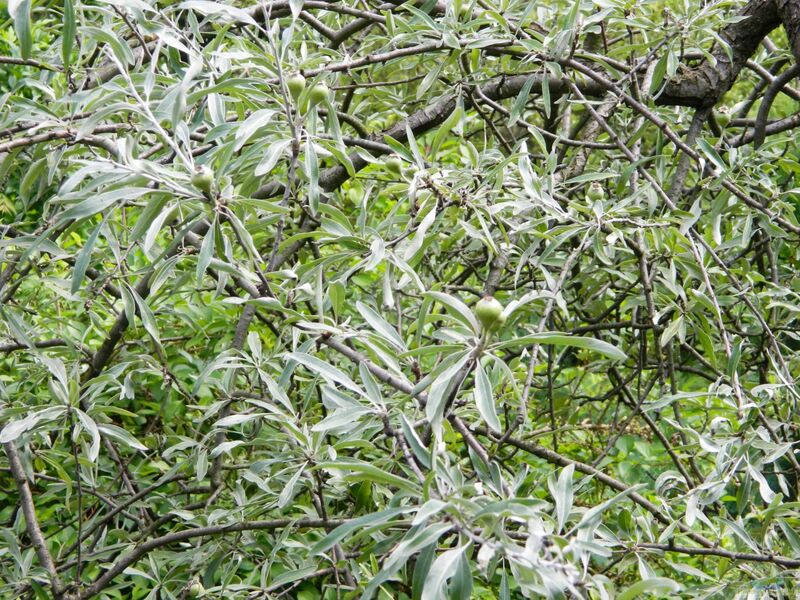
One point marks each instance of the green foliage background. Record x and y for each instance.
(279, 389)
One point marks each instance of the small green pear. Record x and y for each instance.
(203, 179)
(489, 311)
(723, 116)
(595, 192)
(296, 84)
(394, 164)
(319, 94)
(196, 589)
(499, 322)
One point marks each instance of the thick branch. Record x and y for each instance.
(704, 85)
(31, 522)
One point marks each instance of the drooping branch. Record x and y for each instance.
(768, 99)
(171, 538)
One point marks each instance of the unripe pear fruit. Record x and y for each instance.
(296, 84)
(499, 322)
(203, 179)
(394, 164)
(723, 116)
(596, 192)
(489, 311)
(319, 94)
(409, 171)
(196, 590)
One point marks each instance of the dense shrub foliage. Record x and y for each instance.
(242, 247)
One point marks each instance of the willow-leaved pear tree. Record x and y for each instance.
(399, 300)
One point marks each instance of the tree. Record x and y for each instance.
(239, 356)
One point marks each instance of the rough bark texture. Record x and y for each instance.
(789, 11)
(705, 84)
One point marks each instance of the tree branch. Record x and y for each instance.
(31, 522)
(141, 550)
(704, 85)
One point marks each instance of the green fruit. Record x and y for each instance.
(409, 171)
(296, 84)
(394, 164)
(319, 94)
(196, 590)
(489, 311)
(723, 116)
(499, 322)
(596, 192)
(203, 179)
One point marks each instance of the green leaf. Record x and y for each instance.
(147, 217)
(670, 331)
(417, 447)
(20, 11)
(520, 102)
(341, 532)
(658, 72)
(563, 339)
(461, 583)
(312, 172)
(445, 128)
(421, 236)
(271, 157)
(658, 586)
(122, 52)
(414, 541)
(421, 568)
(456, 308)
(91, 428)
(485, 399)
(82, 262)
(546, 101)
(379, 324)
(96, 203)
(291, 576)
(121, 435)
(561, 491)
(712, 154)
(68, 33)
(363, 471)
(733, 361)
(441, 388)
(251, 125)
(206, 254)
(15, 429)
(146, 315)
(287, 493)
(327, 371)
(442, 569)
